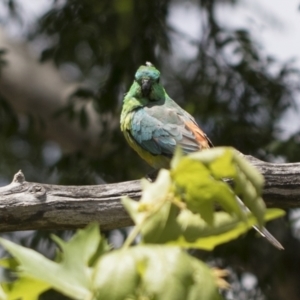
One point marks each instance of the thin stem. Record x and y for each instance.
(133, 234)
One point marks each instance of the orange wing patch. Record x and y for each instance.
(200, 136)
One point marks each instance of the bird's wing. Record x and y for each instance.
(159, 130)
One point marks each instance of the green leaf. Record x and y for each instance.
(156, 227)
(217, 164)
(186, 229)
(153, 209)
(153, 272)
(132, 208)
(72, 275)
(196, 234)
(25, 288)
(210, 155)
(2, 293)
(251, 172)
(9, 263)
(158, 190)
(200, 190)
(163, 226)
(251, 198)
(153, 196)
(179, 208)
(223, 166)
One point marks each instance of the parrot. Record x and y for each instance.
(154, 126)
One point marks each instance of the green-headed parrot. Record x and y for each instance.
(154, 125)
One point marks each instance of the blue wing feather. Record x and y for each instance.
(160, 135)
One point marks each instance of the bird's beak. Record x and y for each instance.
(146, 87)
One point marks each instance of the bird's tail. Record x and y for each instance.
(269, 237)
(263, 231)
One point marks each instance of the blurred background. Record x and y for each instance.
(233, 64)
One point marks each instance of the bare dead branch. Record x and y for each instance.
(28, 205)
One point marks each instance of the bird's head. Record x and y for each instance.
(147, 77)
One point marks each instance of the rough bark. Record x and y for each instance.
(27, 205)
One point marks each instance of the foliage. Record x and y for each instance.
(179, 207)
(238, 102)
(130, 274)
(176, 211)
(104, 43)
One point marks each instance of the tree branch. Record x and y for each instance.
(282, 183)
(27, 205)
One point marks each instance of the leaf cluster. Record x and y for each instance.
(175, 212)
